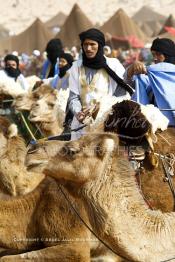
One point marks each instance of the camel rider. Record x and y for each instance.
(12, 71)
(60, 81)
(157, 86)
(50, 67)
(92, 77)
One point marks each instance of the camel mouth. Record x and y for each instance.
(32, 116)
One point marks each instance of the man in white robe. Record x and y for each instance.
(12, 72)
(93, 77)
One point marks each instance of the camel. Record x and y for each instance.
(104, 179)
(156, 191)
(152, 181)
(46, 111)
(15, 180)
(26, 224)
(25, 216)
(47, 108)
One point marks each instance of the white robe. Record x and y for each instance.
(103, 87)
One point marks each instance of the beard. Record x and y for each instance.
(13, 72)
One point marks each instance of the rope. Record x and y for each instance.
(26, 125)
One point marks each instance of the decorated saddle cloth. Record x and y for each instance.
(160, 81)
(94, 86)
(91, 91)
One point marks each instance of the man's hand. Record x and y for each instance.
(135, 69)
(82, 115)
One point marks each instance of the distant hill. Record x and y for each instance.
(17, 15)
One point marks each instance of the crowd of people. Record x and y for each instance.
(96, 70)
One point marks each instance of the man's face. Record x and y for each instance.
(90, 48)
(11, 63)
(62, 62)
(157, 57)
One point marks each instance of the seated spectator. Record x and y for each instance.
(12, 71)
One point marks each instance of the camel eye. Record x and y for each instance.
(51, 105)
(19, 98)
(69, 151)
(36, 96)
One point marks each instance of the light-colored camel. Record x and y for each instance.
(42, 218)
(46, 111)
(47, 108)
(26, 222)
(14, 178)
(104, 180)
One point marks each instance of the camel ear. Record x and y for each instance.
(12, 131)
(107, 145)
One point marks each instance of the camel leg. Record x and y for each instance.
(68, 253)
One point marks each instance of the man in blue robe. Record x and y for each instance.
(157, 85)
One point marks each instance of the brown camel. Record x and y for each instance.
(35, 214)
(134, 131)
(104, 179)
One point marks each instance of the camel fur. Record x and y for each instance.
(104, 179)
(36, 220)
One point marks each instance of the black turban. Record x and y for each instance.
(11, 57)
(99, 61)
(93, 34)
(54, 48)
(164, 46)
(67, 57)
(54, 44)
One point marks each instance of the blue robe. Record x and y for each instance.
(46, 69)
(160, 81)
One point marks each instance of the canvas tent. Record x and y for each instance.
(75, 23)
(56, 21)
(35, 36)
(146, 14)
(120, 26)
(146, 29)
(3, 32)
(170, 22)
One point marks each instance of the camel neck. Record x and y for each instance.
(119, 215)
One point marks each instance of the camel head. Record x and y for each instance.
(45, 107)
(78, 161)
(24, 101)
